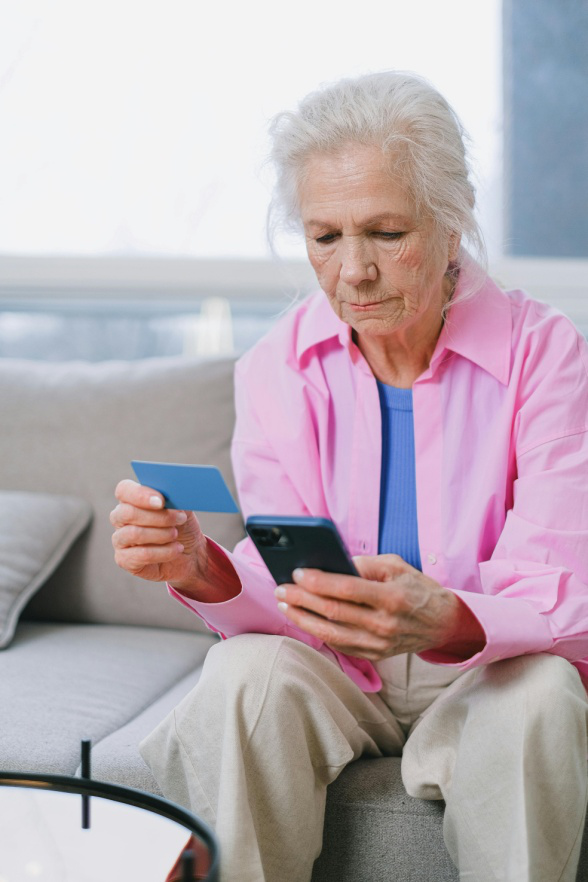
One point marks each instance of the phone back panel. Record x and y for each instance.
(308, 542)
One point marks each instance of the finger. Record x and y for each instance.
(392, 595)
(329, 607)
(381, 622)
(138, 557)
(349, 588)
(343, 638)
(382, 567)
(138, 495)
(131, 536)
(124, 513)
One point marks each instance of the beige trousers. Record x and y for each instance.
(272, 722)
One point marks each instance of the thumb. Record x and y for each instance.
(381, 567)
(190, 534)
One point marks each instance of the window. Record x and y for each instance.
(133, 127)
(133, 133)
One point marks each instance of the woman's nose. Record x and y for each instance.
(357, 266)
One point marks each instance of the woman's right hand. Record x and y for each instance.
(157, 543)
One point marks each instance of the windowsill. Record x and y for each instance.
(102, 308)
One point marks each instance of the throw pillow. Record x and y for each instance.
(36, 532)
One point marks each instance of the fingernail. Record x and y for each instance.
(181, 517)
(280, 591)
(298, 574)
(155, 502)
(282, 607)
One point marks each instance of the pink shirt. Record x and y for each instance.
(501, 443)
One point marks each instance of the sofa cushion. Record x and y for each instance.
(62, 683)
(372, 822)
(75, 427)
(36, 531)
(117, 759)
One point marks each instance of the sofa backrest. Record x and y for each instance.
(73, 428)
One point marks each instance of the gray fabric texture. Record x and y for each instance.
(36, 532)
(117, 759)
(64, 683)
(375, 831)
(372, 822)
(75, 427)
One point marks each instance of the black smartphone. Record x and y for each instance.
(289, 542)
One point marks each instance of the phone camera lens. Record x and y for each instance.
(263, 536)
(270, 537)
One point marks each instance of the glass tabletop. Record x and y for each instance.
(58, 829)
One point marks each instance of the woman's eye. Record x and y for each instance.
(384, 234)
(327, 238)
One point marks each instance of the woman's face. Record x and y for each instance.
(381, 266)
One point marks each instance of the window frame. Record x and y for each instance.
(53, 283)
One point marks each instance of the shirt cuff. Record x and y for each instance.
(512, 627)
(253, 610)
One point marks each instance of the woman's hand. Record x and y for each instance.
(165, 545)
(153, 542)
(390, 609)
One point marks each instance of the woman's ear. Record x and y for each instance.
(453, 247)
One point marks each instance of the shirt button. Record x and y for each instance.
(431, 558)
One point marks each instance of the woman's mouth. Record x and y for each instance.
(365, 307)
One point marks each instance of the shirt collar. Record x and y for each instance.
(478, 328)
(320, 323)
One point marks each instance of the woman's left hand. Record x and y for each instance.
(390, 609)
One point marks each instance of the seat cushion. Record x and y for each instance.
(62, 683)
(374, 830)
(116, 758)
(372, 822)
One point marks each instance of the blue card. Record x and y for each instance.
(188, 487)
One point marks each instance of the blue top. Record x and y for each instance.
(398, 509)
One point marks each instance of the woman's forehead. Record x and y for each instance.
(357, 181)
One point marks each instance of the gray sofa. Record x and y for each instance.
(99, 654)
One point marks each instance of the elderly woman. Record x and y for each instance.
(441, 423)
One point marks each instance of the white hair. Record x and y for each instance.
(414, 126)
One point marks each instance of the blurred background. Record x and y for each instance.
(133, 136)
